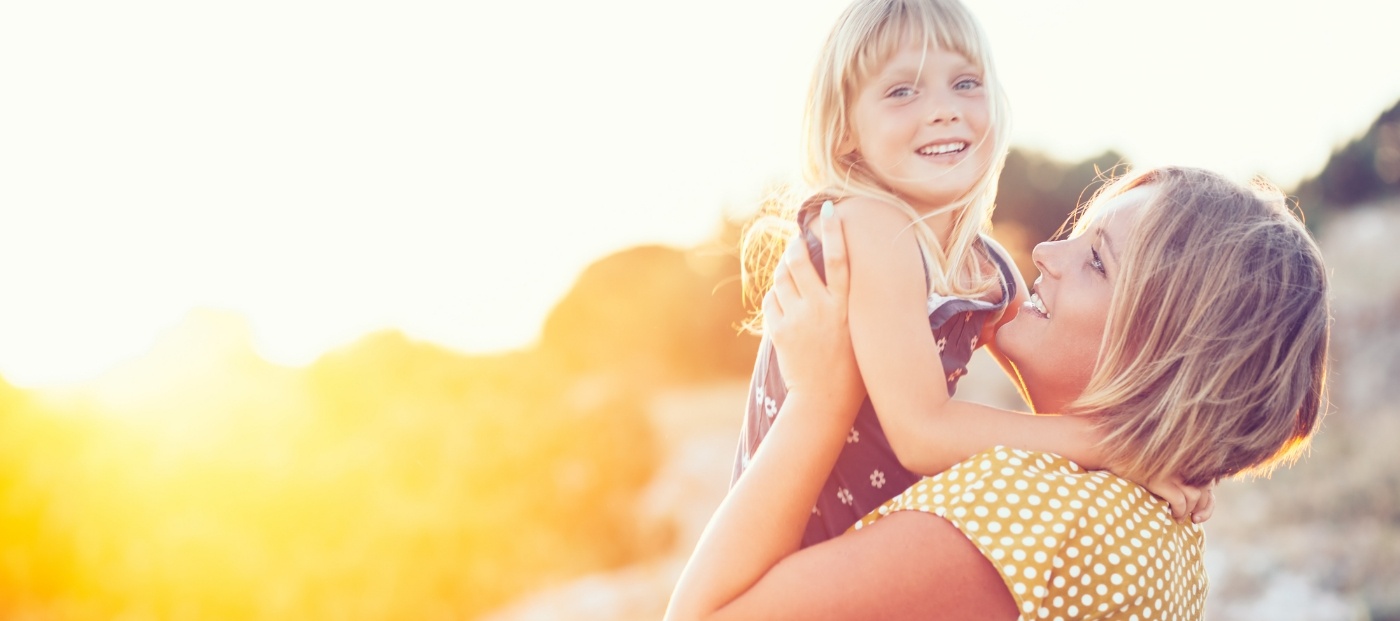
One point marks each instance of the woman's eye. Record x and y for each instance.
(1096, 261)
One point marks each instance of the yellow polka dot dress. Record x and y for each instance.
(1070, 544)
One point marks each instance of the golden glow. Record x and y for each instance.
(322, 171)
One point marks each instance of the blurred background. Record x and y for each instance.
(429, 310)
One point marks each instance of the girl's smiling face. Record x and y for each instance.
(1055, 338)
(921, 125)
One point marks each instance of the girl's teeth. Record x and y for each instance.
(943, 148)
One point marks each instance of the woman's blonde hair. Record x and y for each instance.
(865, 37)
(1215, 350)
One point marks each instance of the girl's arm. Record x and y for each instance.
(988, 336)
(747, 564)
(900, 365)
(899, 360)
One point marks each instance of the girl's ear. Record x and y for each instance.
(847, 146)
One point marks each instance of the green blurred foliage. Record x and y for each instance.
(1364, 171)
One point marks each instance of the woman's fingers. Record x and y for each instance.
(838, 272)
(798, 264)
(772, 311)
(787, 292)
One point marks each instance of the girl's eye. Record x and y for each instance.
(1096, 262)
(902, 91)
(967, 84)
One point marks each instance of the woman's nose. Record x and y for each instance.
(1044, 255)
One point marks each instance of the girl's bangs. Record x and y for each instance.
(912, 23)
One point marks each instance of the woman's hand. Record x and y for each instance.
(806, 318)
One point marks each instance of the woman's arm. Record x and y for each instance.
(746, 564)
(900, 364)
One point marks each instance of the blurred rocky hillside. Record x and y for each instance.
(394, 479)
(1316, 542)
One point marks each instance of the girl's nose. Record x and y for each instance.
(942, 111)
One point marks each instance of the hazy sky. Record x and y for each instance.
(326, 169)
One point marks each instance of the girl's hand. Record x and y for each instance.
(1188, 502)
(806, 318)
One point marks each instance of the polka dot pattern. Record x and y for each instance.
(1070, 544)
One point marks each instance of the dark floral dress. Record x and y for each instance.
(867, 473)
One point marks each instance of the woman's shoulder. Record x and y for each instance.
(1029, 485)
(1066, 540)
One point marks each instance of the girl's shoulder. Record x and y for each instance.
(859, 214)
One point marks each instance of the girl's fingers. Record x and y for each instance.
(1206, 506)
(838, 272)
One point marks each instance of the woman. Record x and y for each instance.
(1186, 318)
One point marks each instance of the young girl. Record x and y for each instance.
(906, 133)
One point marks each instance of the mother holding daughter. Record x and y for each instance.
(1201, 308)
(1178, 336)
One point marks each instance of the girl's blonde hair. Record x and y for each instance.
(865, 37)
(1214, 354)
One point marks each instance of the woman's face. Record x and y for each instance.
(1054, 339)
